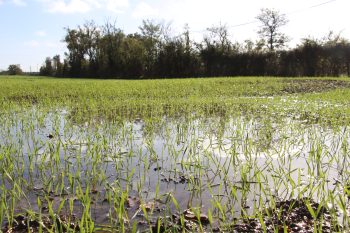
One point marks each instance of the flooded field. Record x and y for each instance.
(258, 164)
(130, 173)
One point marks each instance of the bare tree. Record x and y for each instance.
(218, 35)
(271, 23)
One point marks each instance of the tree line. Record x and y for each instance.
(106, 51)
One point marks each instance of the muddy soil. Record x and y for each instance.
(291, 216)
(312, 85)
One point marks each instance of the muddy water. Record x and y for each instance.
(235, 166)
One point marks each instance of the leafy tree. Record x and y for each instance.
(82, 44)
(14, 69)
(151, 33)
(105, 51)
(271, 23)
(57, 66)
(109, 51)
(76, 53)
(133, 53)
(47, 69)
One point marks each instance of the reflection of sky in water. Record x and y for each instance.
(175, 156)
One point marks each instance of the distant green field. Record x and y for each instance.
(178, 96)
(240, 154)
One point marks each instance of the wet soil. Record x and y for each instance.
(291, 216)
(312, 85)
(26, 223)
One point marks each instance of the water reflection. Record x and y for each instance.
(224, 165)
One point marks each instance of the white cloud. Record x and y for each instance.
(19, 2)
(1, 2)
(116, 5)
(70, 7)
(84, 6)
(144, 10)
(41, 33)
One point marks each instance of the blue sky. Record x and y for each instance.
(33, 29)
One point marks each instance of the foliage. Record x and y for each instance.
(105, 51)
(14, 70)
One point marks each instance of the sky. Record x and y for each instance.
(31, 30)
